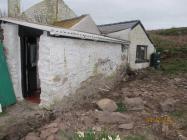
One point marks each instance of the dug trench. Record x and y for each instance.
(135, 107)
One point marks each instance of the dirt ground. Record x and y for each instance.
(153, 87)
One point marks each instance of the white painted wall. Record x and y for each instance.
(123, 35)
(136, 36)
(12, 45)
(65, 63)
(86, 25)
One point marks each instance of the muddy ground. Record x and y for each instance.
(153, 87)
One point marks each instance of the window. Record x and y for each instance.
(141, 54)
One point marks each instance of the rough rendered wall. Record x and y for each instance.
(48, 11)
(123, 35)
(87, 25)
(65, 63)
(138, 37)
(12, 46)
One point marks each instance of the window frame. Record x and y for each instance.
(141, 60)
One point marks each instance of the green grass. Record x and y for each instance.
(121, 107)
(174, 55)
(174, 66)
(3, 114)
(177, 114)
(135, 137)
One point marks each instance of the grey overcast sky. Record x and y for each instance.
(154, 14)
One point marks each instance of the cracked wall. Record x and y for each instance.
(64, 64)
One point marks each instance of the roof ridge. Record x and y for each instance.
(119, 23)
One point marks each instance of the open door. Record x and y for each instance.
(29, 61)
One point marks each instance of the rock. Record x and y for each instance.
(97, 128)
(181, 137)
(112, 117)
(127, 126)
(107, 105)
(168, 105)
(52, 137)
(134, 104)
(47, 132)
(54, 125)
(178, 79)
(32, 136)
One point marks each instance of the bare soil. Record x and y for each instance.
(69, 117)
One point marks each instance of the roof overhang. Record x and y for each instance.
(56, 31)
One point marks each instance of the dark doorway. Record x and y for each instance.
(29, 63)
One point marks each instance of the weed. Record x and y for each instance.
(174, 66)
(121, 107)
(3, 114)
(135, 137)
(177, 114)
(91, 135)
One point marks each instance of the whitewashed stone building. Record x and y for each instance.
(69, 56)
(141, 46)
(58, 60)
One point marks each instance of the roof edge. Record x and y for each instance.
(65, 32)
(118, 23)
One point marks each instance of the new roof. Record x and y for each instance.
(114, 27)
(69, 23)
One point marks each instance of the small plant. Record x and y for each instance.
(135, 137)
(91, 135)
(121, 107)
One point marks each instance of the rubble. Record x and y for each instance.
(168, 105)
(134, 104)
(107, 105)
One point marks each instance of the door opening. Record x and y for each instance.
(29, 63)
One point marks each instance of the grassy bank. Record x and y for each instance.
(172, 43)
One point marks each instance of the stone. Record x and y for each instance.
(127, 126)
(112, 117)
(107, 105)
(32, 136)
(181, 137)
(178, 79)
(47, 132)
(54, 125)
(52, 137)
(168, 105)
(134, 104)
(97, 128)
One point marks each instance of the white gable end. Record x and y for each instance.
(86, 25)
(139, 36)
(123, 35)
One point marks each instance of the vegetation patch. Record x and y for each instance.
(180, 116)
(3, 114)
(121, 107)
(174, 66)
(135, 137)
(90, 135)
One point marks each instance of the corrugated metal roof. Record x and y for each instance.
(69, 23)
(57, 31)
(114, 27)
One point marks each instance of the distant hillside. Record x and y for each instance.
(171, 32)
(172, 43)
(169, 38)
